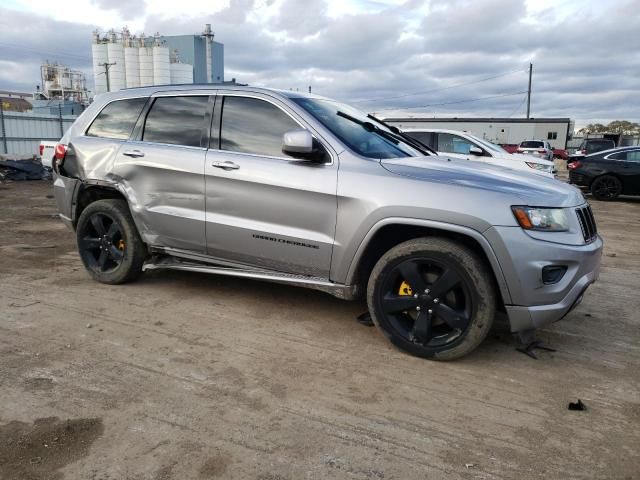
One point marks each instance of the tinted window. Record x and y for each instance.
(599, 145)
(176, 120)
(426, 138)
(251, 125)
(117, 119)
(532, 144)
(633, 156)
(552, 135)
(453, 144)
(618, 156)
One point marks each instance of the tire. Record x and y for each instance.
(606, 187)
(436, 322)
(108, 242)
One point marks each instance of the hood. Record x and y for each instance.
(526, 188)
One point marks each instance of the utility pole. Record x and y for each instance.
(107, 66)
(529, 91)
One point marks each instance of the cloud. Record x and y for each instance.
(585, 56)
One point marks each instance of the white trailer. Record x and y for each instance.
(511, 131)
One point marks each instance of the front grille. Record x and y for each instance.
(587, 223)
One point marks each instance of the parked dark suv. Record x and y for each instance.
(594, 145)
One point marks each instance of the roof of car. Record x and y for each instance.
(614, 150)
(190, 87)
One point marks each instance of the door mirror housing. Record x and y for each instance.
(301, 145)
(476, 151)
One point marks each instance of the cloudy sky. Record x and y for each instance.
(460, 57)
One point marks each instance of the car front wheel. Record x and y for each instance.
(432, 297)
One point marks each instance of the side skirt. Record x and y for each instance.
(345, 292)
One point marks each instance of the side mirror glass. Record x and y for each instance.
(476, 151)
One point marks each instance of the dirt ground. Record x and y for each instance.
(182, 376)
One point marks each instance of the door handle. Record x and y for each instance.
(133, 153)
(227, 165)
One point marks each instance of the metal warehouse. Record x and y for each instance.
(498, 130)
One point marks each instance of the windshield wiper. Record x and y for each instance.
(417, 144)
(370, 127)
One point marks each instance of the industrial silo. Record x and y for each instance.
(131, 59)
(100, 57)
(115, 51)
(161, 71)
(145, 56)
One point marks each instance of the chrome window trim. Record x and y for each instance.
(607, 157)
(152, 144)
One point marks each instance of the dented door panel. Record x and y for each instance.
(165, 189)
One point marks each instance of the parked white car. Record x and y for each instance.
(537, 148)
(455, 144)
(47, 152)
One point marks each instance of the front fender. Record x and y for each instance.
(432, 225)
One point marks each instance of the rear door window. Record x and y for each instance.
(450, 143)
(633, 156)
(532, 144)
(176, 120)
(251, 125)
(117, 119)
(426, 138)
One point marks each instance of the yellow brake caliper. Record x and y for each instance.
(405, 289)
(121, 245)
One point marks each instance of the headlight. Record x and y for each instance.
(540, 166)
(542, 219)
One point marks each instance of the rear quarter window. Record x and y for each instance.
(117, 119)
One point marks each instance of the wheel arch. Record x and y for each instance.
(91, 191)
(606, 174)
(390, 232)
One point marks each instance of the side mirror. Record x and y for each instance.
(300, 144)
(476, 151)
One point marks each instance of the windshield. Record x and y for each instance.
(368, 142)
(489, 145)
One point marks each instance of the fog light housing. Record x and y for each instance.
(553, 274)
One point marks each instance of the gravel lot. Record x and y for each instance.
(183, 376)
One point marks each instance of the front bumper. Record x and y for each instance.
(522, 258)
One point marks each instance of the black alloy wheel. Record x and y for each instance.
(427, 302)
(108, 242)
(102, 243)
(432, 297)
(606, 187)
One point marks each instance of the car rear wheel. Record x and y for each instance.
(432, 297)
(606, 187)
(108, 242)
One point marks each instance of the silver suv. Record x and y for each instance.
(296, 188)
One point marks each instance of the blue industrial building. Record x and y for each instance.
(192, 49)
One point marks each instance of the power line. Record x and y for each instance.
(60, 54)
(524, 97)
(504, 74)
(455, 102)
